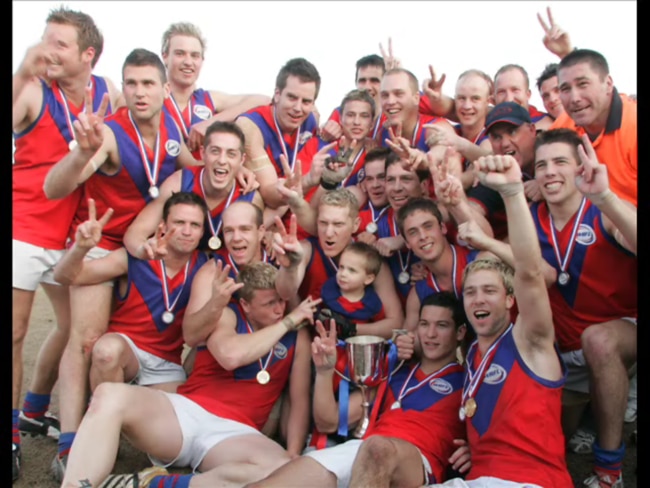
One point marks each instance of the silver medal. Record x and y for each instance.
(461, 414)
(72, 144)
(396, 405)
(168, 317)
(214, 243)
(263, 377)
(371, 227)
(563, 278)
(153, 191)
(403, 277)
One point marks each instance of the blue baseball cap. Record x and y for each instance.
(509, 112)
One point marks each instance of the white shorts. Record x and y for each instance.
(340, 458)
(97, 253)
(485, 482)
(32, 265)
(152, 369)
(577, 371)
(201, 432)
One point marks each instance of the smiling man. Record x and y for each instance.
(282, 128)
(594, 106)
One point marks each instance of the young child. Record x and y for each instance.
(349, 297)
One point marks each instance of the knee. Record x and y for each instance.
(379, 449)
(599, 345)
(106, 352)
(19, 333)
(109, 398)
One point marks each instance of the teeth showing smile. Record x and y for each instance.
(481, 314)
(553, 186)
(510, 153)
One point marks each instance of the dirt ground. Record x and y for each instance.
(38, 452)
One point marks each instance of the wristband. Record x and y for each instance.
(511, 189)
(289, 323)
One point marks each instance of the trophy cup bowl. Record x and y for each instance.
(367, 365)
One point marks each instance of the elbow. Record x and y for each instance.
(50, 193)
(62, 279)
(326, 426)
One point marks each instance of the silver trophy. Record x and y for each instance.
(367, 365)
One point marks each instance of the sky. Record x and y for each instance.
(246, 49)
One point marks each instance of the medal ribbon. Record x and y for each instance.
(381, 212)
(415, 133)
(376, 129)
(283, 144)
(185, 126)
(232, 192)
(399, 251)
(433, 375)
(434, 282)
(66, 108)
(259, 360)
(233, 265)
(354, 165)
(151, 170)
(571, 246)
(474, 380)
(165, 286)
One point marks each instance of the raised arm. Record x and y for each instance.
(619, 216)
(94, 144)
(73, 270)
(535, 322)
(233, 350)
(210, 294)
(555, 39)
(441, 105)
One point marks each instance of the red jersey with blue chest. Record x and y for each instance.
(139, 311)
(367, 310)
(401, 260)
(516, 432)
(428, 412)
(36, 219)
(264, 118)
(318, 270)
(199, 108)
(191, 181)
(419, 139)
(127, 191)
(236, 395)
(462, 257)
(603, 278)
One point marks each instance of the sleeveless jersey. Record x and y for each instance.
(138, 313)
(38, 148)
(603, 275)
(236, 395)
(419, 140)
(127, 191)
(199, 109)
(429, 285)
(191, 181)
(263, 118)
(318, 270)
(516, 432)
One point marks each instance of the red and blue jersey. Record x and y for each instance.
(127, 191)
(516, 432)
(401, 260)
(138, 313)
(200, 108)
(318, 270)
(536, 115)
(419, 139)
(367, 310)
(603, 275)
(191, 181)
(428, 413)
(429, 285)
(36, 219)
(236, 395)
(263, 117)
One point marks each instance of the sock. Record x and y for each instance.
(171, 481)
(65, 443)
(608, 462)
(15, 434)
(35, 405)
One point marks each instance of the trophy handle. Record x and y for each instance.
(343, 376)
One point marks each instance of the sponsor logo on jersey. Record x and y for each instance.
(173, 148)
(441, 386)
(202, 112)
(495, 375)
(280, 350)
(586, 235)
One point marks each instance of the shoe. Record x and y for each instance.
(630, 413)
(581, 442)
(16, 461)
(47, 425)
(603, 481)
(136, 480)
(58, 467)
